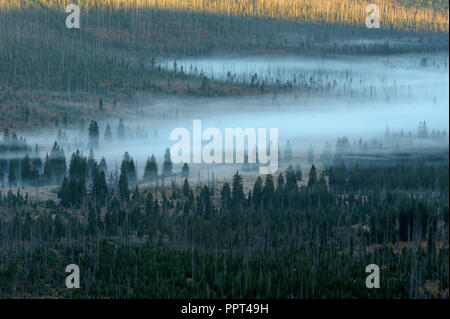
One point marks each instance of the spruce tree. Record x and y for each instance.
(103, 166)
(121, 130)
(186, 188)
(47, 173)
(81, 190)
(167, 165)
(27, 173)
(93, 134)
(99, 188)
(123, 186)
(268, 190)
(100, 105)
(280, 182)
(91, 164)
(225, 194)
(149, 204)
(151, 169)
(57, 161)
(312, 176)
(237, 193)
(78, 167)
(12, 178)
(258, 191)
(185, 170)
(128, 168)
(108, 134)
(298, 172)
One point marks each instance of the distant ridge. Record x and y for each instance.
(411, 15)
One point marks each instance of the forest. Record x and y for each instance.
(216, 240)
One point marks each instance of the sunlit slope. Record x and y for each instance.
(117, 38)
(418, 15)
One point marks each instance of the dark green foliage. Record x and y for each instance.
(47, 174)
(185, 170)
(93, 134)
(91, 164)
(124, 192)
(29, 175)
(293, 241)
(128, 168)
(99, 188)
(72, 193)
(167, 165)
(226, 195)
(237, 193)
(57, 164)
(78, 167)
(298, 172)
(100, 105)
(186, 189)
(151, 169)
(65, 193)
(312, 176)
(12, 178)
(258, 192)
(108, 134)
(103, 166)
(121, 130)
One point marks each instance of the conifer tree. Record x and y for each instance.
(128, 168)
(93, 134)
(78, 166)
(91, 164)
(186, 188)
(298, 172)
(268, 190)
(237, 193)
(258, 191)
(280, 182)
(108, 134)
(167, 165)
(225, 194)
(121, 130)
(99, 188)
(123, 186)
(47, 173)
(100, 105)
(312, 176)
(28, 174)
(12, 178)
(57, 160)
(185, 170)
(103, 166)
(149, 205)
(151, 169)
